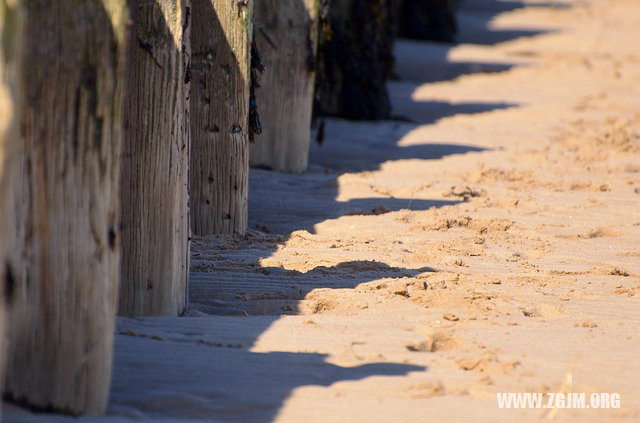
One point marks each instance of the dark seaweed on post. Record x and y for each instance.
(256, 65)
(433, 20)
(355, 59)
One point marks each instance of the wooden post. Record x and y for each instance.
(286, 34)
(65, 251)
(11, 153)
(427, 19)
(155, 164)
(355, 60)
(221, 35)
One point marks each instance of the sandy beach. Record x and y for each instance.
(486, 240)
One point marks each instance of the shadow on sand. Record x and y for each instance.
(476, 16)
(228, 278)
(202, 367)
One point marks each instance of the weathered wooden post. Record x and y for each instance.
(427, 19)
(355, 60)
(155, 163)
(221, 35)
(286, 33)
(64, 257)
(11, 32)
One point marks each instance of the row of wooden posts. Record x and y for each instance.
(125, 127)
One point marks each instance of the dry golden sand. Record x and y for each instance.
(535, 274)
(419, 268)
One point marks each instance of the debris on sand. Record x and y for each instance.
(466, 192)
(437, 341)
(616, 271)
(586, 324)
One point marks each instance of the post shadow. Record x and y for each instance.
(281, 204)
(227, 280)
(197, 375)
(475, 17)
(431, 111)
(202, 368)
(421, 62)
(364, 152)
(496, 7)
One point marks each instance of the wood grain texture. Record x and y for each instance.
(286, 34)
(221, 35)
(65, 245)
(155, 162)
(11, 31)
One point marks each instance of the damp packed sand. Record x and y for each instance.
(486, 240)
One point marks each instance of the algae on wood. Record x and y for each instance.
(355, 60)
(427, 19)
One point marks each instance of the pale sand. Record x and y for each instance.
(419, 268)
